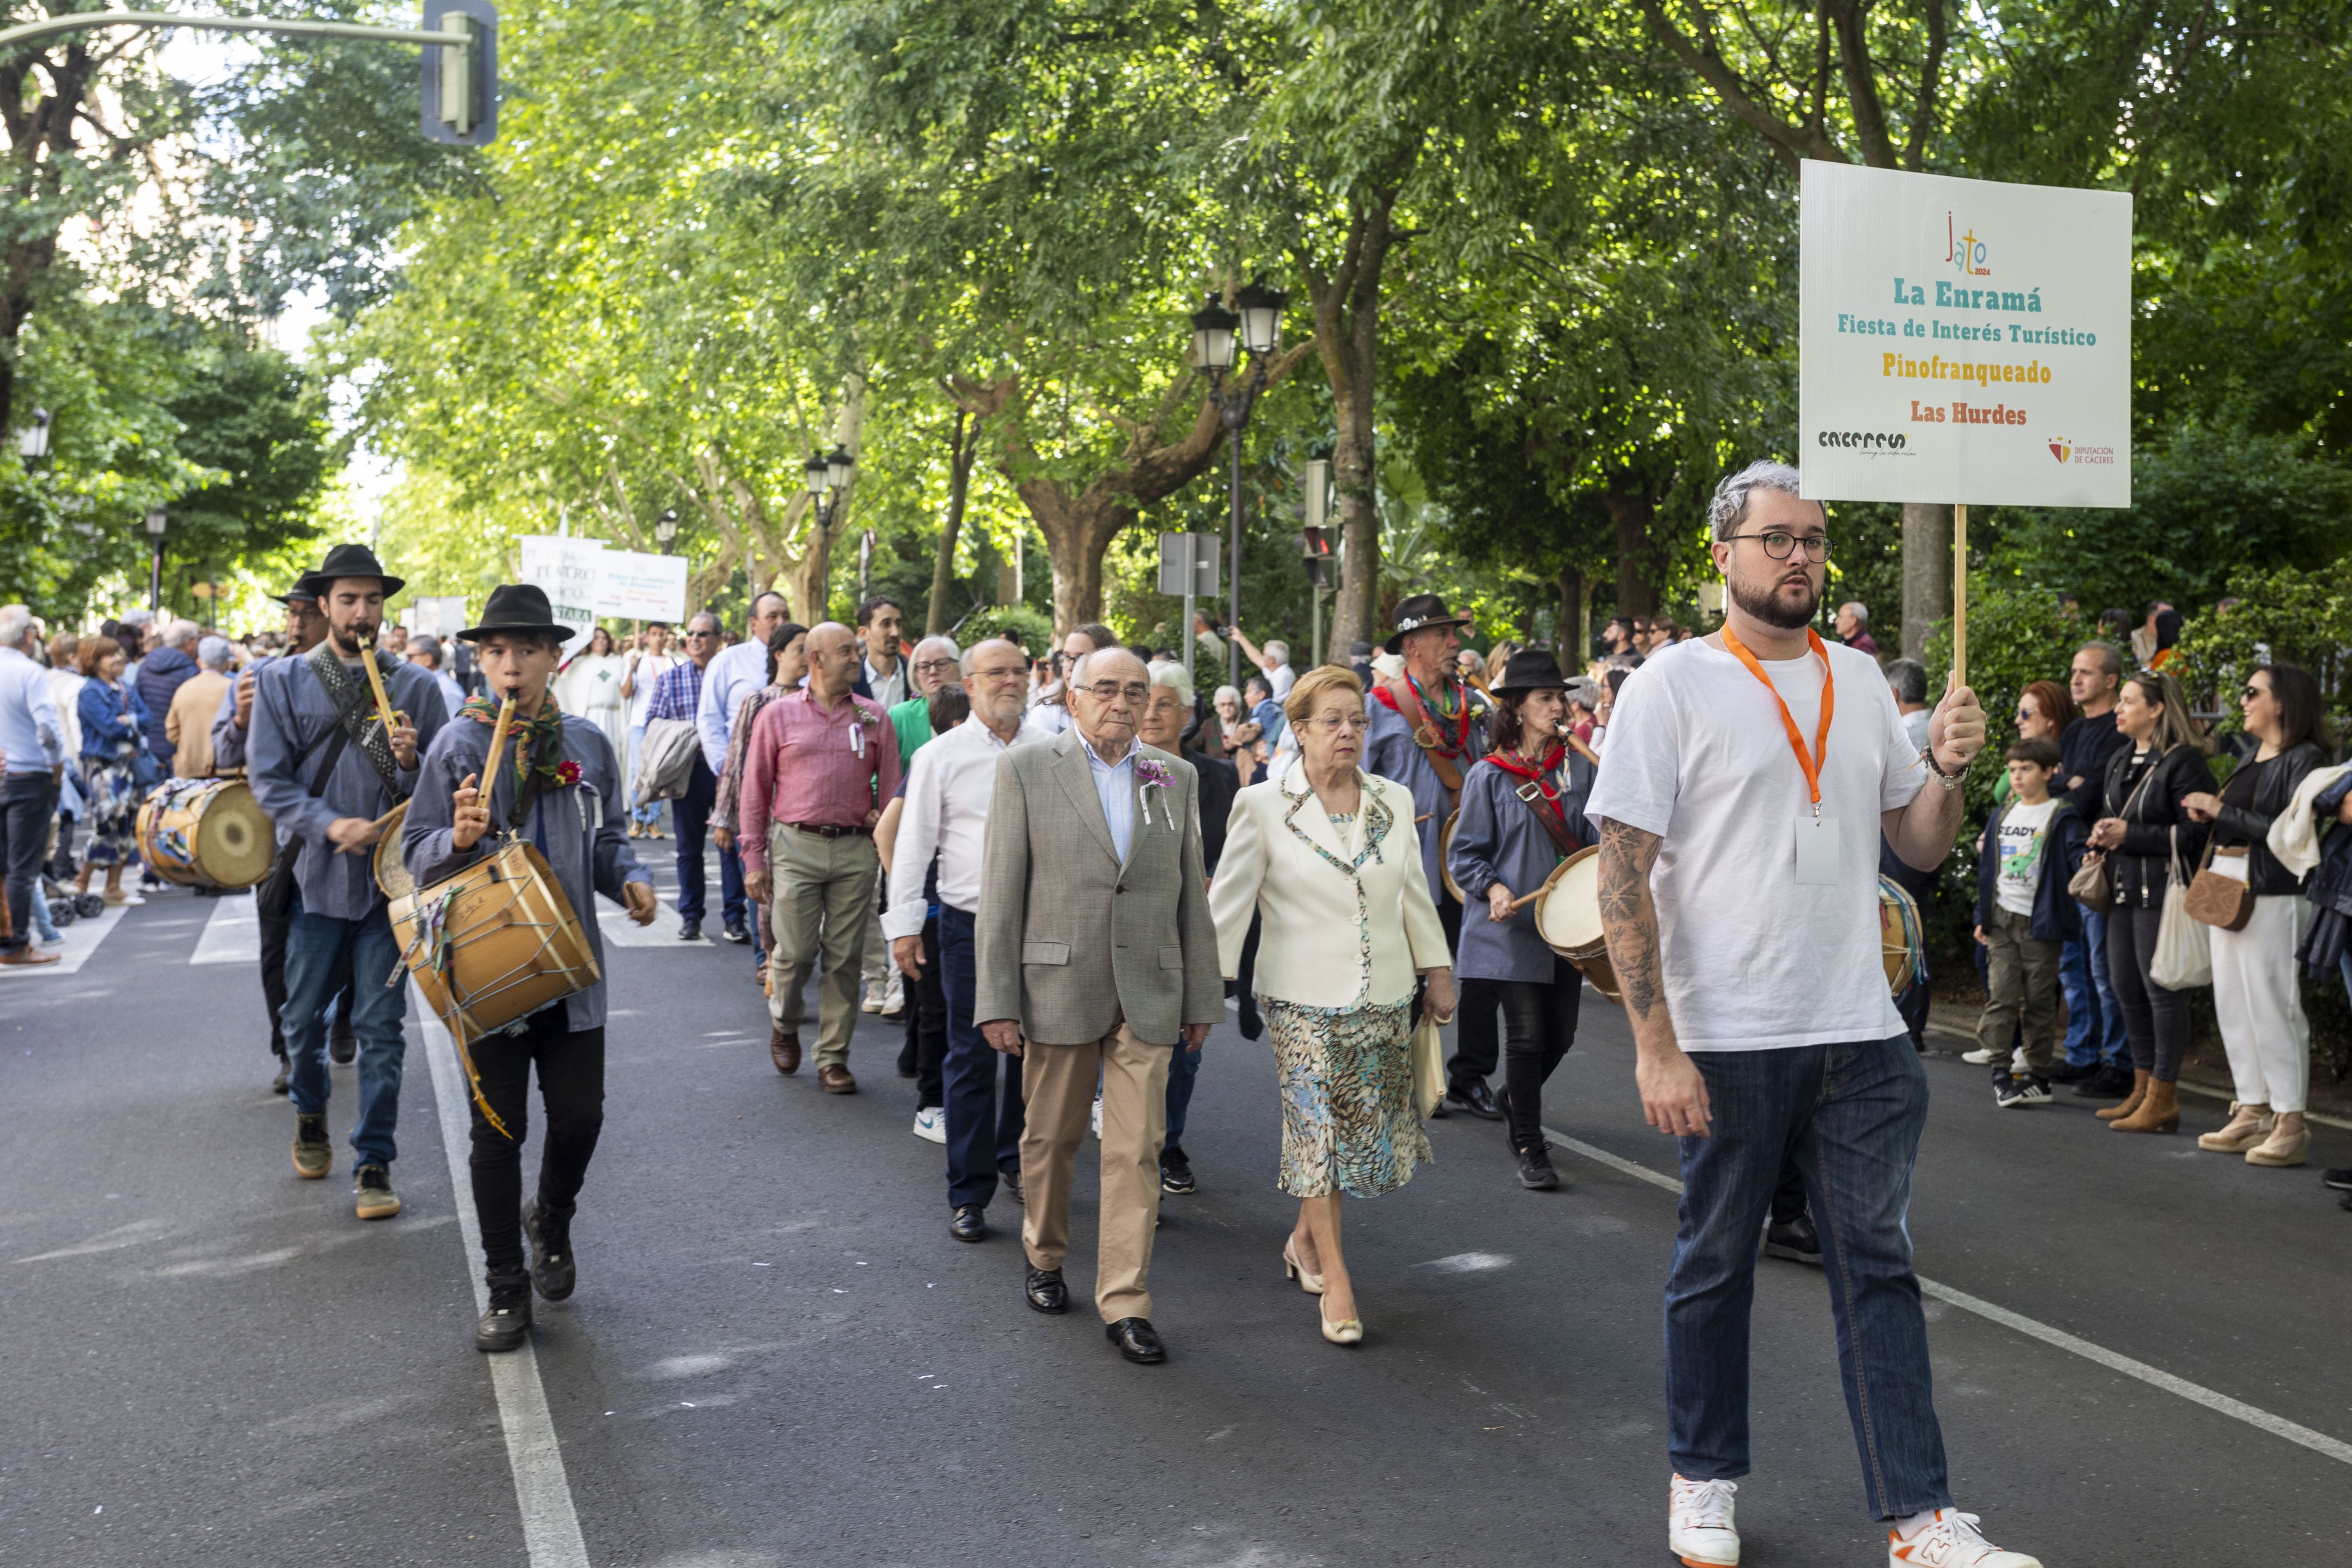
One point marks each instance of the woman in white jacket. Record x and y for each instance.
(1328, 858)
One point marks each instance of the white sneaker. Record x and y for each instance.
(873, 1002)
(1981, 1058)
(1095, 1125)
(1699, 1523)
(1952, 1541)
(932, 1124)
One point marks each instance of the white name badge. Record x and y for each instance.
(1817, 851)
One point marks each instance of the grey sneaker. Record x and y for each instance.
(376, 1200)
(314, 1154)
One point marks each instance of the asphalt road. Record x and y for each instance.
(778, 1356)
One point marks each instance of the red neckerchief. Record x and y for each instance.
(1510, 763)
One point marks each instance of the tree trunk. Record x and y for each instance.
(962, 444)
(808, 580)
(1574, 635)
(1347, 302)
(1926, 573)
(1631, 513)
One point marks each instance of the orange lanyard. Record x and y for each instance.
(1810, 761)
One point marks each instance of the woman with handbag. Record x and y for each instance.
(117, 767)
(1522, 812)
(1326, 858)
(2145, 830)
(2257, 910)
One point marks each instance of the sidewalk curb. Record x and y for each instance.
(2223, 1095)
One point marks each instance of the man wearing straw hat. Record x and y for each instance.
(557, 785)
(332, 749)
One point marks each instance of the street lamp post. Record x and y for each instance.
(1259, 321)
(157, 521)
(665, 528)
(33, 440)
(828, 474)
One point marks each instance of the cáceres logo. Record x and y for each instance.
(2061, 449)
(1873, 441)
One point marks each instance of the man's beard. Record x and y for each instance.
(1767, 605)
(356, 638)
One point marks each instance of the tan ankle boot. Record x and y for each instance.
(2249, 1125)
(2288, 1140)
(2160, 1112)
(2140, 1078)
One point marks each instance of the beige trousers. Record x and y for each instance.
(1059, 1083)
(820, 897)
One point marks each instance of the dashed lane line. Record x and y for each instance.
(81, 940)
(2154, 1376)
(231, 934)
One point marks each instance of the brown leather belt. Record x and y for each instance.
(827, 830)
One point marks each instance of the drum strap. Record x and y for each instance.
(1549, 816)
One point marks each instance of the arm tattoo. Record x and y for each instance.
(1628, 919)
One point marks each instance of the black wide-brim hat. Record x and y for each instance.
(1417, 614)
(516, 607)
(1531, 669)
(296, 592)
(348, 561)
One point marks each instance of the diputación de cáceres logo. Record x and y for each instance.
(1869, 443)
(2066, 451)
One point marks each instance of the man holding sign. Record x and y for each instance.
(1749, 775)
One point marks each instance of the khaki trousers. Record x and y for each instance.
(821, 895)
(1059, 1083)
(2021, 996)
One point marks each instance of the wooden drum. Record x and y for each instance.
(205, 832)
(494, 943)
(1901, 940)
(391, 870)
(1567, 917)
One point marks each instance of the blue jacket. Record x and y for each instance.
(2056, 916)
(1498, 839)
(106, 736)
(162, 673)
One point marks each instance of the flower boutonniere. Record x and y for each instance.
(1150, 773)
(567, 772)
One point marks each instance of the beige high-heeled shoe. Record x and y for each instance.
(1294, 1270)
(1346, 1331)
(2248, 1125)
(2283, 1147)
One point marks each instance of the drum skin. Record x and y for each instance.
(205, 832)
(494, 943)
(1567, 917)
(1445, 856)
(391, 871)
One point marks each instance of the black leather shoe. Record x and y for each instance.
(1011, 1182)
(1047, 1291)
(735, 932)
(1797, 1241)
(2110, 1082)
(285, 1071)
(551, 1255)
(2067, 1072)
(344, 1050)
(506, 1325)
(970, 1224)
(691, 930)
(1136, 1342)
(1478, 1100)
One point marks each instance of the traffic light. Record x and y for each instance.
(460, 86)
(1315, 546)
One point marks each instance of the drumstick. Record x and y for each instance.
(1525, 899)
(376, 684)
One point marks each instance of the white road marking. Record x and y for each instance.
(2154, 1377)
(550, 1525)
(619, 930)
(82, 938)
(233, 935)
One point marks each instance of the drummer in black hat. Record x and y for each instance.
(1522, 815)
(1428, 728)
(329, 764)
(558, 788)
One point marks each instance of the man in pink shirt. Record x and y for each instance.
(819, 765)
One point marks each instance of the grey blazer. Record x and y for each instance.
(1071, 940)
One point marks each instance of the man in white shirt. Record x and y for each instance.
(1050, 714)
(646, 665)
(732, 675)
(34, 746)
(946, 814)
(880, 619)
(1749, 777)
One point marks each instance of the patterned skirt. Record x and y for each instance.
(114, 800)
(1348, 1121)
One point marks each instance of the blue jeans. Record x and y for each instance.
(1183, 1066)
(317, 949)
(691, 819)
(984, 1127)
(2095, 1019)
(1850, 1115)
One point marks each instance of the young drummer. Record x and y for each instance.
(559, 788)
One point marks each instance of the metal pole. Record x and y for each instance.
(1192, 643)
(155, 577)
(1233, 582)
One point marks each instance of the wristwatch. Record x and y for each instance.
(1949, 780)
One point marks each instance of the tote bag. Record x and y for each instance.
(1428, 1066)
(2184, 951)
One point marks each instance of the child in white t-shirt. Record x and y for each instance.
(2024, 916)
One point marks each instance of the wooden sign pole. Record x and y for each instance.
(1961, 596)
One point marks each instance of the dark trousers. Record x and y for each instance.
(26, 804)
(690, 817)
(984, 1116)
(273, 984)
(1477, 1043)
(571, 1089)
(925, 1053)
(1242, 988)
(1539, 1026)
(2156, 1019)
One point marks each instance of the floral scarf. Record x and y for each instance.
(537, 744)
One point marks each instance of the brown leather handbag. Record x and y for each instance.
(2222, 902)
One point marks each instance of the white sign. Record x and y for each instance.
(441, 618)
(569, 572)
(639, 587)
(1963, 342)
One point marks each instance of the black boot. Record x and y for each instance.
(342, 1046)
(1535, 1168)
(285, 1071)
(506, 1325)
(551, 1252)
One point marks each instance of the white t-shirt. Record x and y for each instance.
(1751, 960)
(2018, 868)
(651, 667)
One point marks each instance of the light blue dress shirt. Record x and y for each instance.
(1114, 783)
(29, 732)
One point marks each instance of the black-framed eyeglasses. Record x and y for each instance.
(926, 665)
(1780, 546)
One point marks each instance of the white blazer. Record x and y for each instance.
(1347, 921)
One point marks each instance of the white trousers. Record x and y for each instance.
(2263, 1024)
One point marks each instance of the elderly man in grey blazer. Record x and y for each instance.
(1096, 955)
